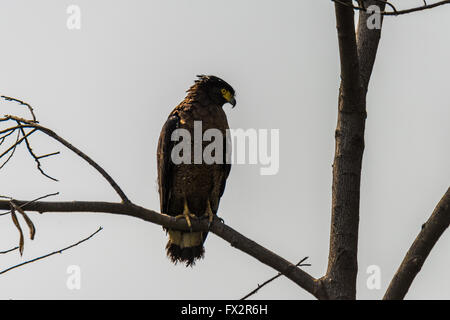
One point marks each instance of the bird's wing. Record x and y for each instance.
(226, 164)
(165, 164)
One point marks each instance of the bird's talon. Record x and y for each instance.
(220, 219)
(209, 213)
(187, 217)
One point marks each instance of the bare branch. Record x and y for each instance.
(22, 103)
(31, 201)
(3, 138)
(48, 155)
(12, 129)
(225, 232)
(348, 4)
(17, 143)
(52, 253)
(384, 3)
(424, 7)
(347, 48)
(35, 157)
(394, 11)
(299, 264)
(420, 249)
(13, 148)
(78, 152)
(340, 279)
(9, 250)
(367, 42)
(357, 57)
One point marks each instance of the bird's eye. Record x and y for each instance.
(224, 91)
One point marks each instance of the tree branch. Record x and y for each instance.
(127, 208)
(14, 147)
(299, 264)
(9, 250)
(357, 57)
(420, 249)
(347, 47)
(30, 108)
(31, 152)
(424, 7)
(225, 232)
(340, 279)
(367, 43)
(26, 203)
(394, 11)
(52, 253)
(31, 124)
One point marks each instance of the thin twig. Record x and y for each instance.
(78, 152)
(350, 5)
(22, 103)
(35, 157)
(9, 250)
(395, 12)
(14, 147)
(48, 155)
(52, 253)
(29, 202)
(236, 239)
(3, 138)
(17, 143)
(12, 129)
(299, 264)
(389, 4)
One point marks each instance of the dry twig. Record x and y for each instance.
(24, 104)
(31, 201)
(394, 11)
(36, 127)
(299, 264)
(17, 224)
(9, 250)
(52, 253)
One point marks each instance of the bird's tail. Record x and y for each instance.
(185, 247)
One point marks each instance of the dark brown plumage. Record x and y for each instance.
(196, 188)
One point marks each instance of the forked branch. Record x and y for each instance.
(24, 123)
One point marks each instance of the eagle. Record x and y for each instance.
(192, 190)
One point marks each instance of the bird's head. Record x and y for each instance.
(218, 90)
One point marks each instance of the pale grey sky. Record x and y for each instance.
(109, 87)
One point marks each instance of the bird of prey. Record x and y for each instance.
(193, 190)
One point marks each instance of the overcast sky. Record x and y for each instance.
(109, 87)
